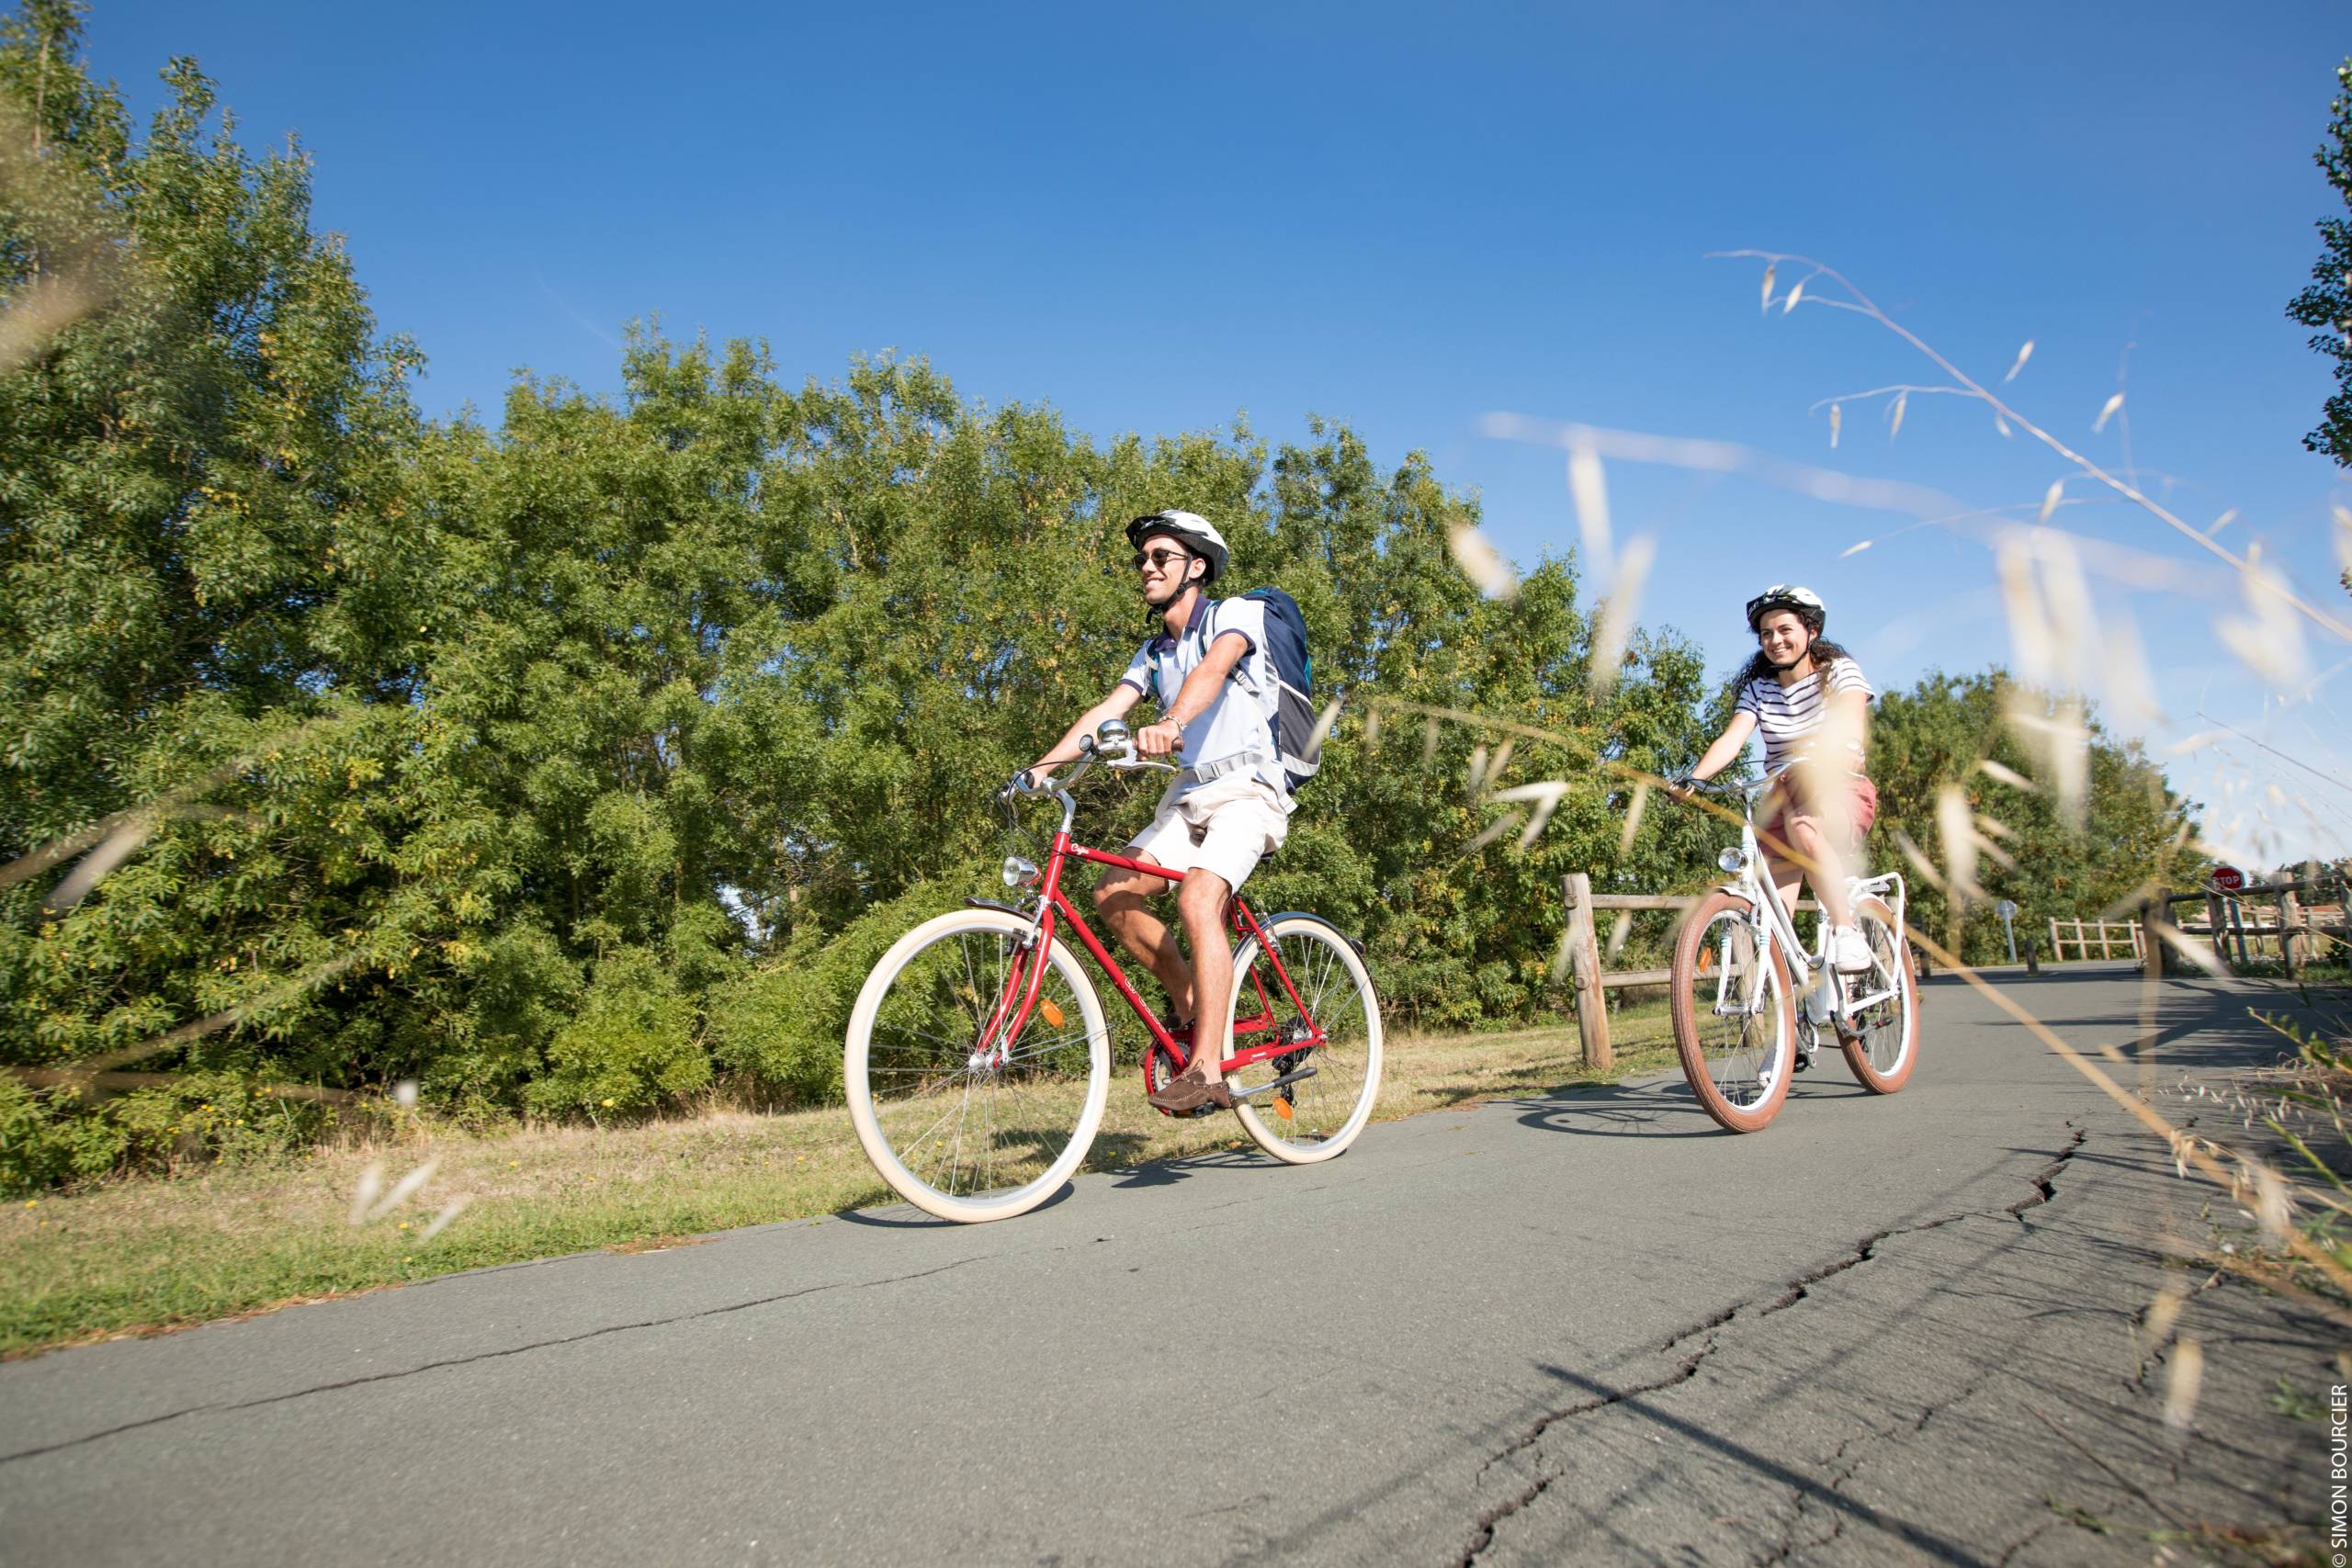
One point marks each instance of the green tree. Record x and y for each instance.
(1953, 731)
(202, 450)
(2326, 305)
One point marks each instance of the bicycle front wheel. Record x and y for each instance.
(1330, 989)
(1733, 1026)
(1885, 1042)
(964, 1127)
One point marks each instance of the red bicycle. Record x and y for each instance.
(978, 1063)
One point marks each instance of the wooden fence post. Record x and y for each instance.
(2152, 943)
(2057, 948)
(2290, 920)
(1584, 973)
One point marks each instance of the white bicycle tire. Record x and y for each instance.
(857, 1061)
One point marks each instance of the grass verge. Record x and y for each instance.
(147, 1256)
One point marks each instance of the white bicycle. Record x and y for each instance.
(1739, 1025)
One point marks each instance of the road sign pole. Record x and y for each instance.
(2007, 911)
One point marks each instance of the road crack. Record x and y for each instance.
(2043, 1181)
(227, 1407)
(2046, 1181)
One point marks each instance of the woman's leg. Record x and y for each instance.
(1828, 872)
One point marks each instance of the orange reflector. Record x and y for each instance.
(1282, 1108)
(1053, 1014)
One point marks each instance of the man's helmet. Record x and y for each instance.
(1189, 529)
(1803, 601)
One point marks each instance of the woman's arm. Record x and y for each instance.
(1728, 745)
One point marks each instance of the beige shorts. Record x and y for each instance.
(1226, 826)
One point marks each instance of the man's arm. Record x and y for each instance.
(1123, 697)
(1193, 699)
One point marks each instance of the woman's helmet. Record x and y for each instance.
(1803, 601)
(1189, 529)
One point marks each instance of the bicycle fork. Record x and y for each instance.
(1015, 1001)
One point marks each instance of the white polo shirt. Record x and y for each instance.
(1236, 722)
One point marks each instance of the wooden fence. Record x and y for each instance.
(2083, 935)
(2300, 930)
(2240, 923)
(1588, 979)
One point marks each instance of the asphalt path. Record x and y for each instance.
(1577, 1326)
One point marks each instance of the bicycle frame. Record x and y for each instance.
(1769, 920)
(1023, 981)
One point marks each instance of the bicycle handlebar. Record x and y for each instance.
(1110, 746)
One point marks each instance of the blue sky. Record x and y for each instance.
(1411, 219)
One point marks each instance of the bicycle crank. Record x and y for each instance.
(1283, 1082)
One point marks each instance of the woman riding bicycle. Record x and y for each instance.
(1809, 699)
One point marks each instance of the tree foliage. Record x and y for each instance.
(2133, 835)
(583, 762)
(2326, 305)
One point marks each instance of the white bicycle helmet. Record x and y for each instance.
(1189, 529)
(1803, 601)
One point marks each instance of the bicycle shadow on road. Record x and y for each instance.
(907, 1217)
(1660, 1106)
(1168, 1172)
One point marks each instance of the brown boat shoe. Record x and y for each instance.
(1187, 1092)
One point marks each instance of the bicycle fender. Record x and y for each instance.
(1326, 925)
(1002, 909)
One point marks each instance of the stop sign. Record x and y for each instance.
(2228, 878)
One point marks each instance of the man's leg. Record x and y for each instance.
(1200, 904)
(1121, 895)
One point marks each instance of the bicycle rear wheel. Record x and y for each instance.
(956, 1131)
(1316, 1117)
(1885, 1045)
(1733, 1026)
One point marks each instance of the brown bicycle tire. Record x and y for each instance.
(1687, 1045)
(1857, 1062)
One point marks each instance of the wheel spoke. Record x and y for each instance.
(1309, 961)
(967, 1142)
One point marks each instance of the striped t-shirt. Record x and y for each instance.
(1786, 715)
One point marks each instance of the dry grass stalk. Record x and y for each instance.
(1617, 615)
(2181, 1387)
(1588, 495)
(2004, 417)
(1482, 563)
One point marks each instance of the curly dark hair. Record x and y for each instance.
(1821, 650)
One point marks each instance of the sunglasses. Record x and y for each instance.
(1159, 559)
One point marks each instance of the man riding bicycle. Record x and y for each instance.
(1228, 805)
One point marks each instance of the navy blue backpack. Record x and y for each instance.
(1293, 717)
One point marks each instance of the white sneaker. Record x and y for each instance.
(1850, 952)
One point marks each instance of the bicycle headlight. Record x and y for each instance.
(1019, 873)
(1733, 860)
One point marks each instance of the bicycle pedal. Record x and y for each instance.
(1283, 1082)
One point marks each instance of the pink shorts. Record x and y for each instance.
(1863, 798)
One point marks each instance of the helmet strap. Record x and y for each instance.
(1810, 637)
(1161, 606)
